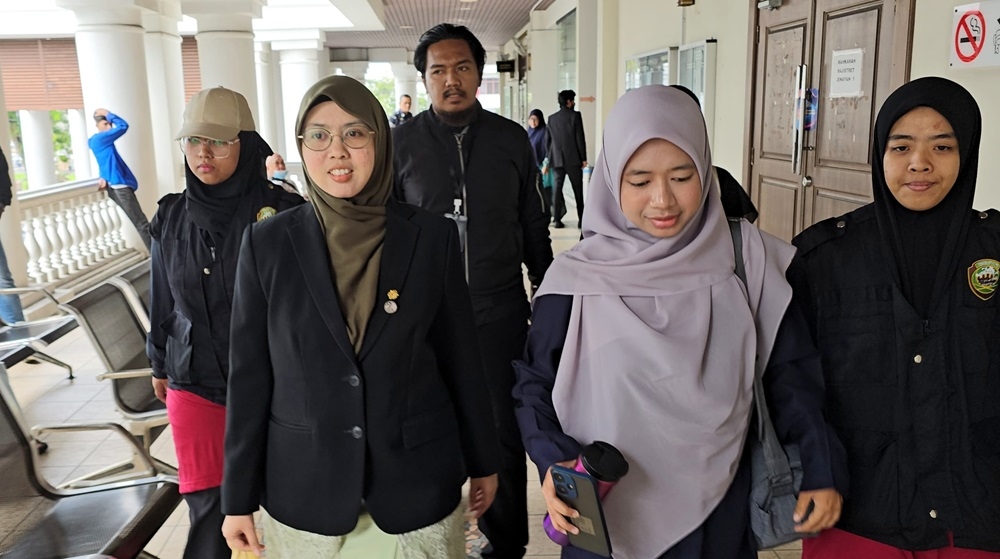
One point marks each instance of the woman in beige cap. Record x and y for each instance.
(196, 239)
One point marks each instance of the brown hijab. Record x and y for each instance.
(354, 227)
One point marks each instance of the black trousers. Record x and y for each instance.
(205, 539)
(505, 523)
(575, 175)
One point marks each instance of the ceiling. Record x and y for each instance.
(494, 22)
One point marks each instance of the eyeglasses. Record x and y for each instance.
(354, 137)
(220, 149)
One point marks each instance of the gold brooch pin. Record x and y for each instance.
(393, 295)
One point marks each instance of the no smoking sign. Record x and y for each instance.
(976, 35)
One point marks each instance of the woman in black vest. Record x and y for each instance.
(196, 236)
(900, 296)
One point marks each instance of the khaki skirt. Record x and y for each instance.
(442, 540)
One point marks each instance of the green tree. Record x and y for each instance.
(385, 91)
(62, 144)
(16, 147)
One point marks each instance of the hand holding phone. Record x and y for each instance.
(581, 510)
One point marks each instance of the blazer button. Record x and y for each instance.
(354, 380)
(357, 432)
(207, 271)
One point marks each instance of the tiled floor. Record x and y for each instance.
(46, 396)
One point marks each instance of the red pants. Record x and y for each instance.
(198, 427)
(838, 544)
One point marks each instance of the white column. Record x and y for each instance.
(587, 25)
(78, 138)
(269, 98)
(39, 153)
(226, 54)
(300, 69)
(406, 77)
(113, 37)
(10, 221)
(542, 70)
(607, 69)
(166, 93)
(354, 69)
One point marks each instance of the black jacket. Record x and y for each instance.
(916, 402)
(507, 224)
(567, 144)
(191, 294)
(313, 427)
(5, 184)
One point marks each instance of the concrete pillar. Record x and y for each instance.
(588, 15)
(543, 85)
(39, 153)
(355, 69)
(269, 98)
(406, 77)
(226, 44)
(10, 220)
(607, 70)
(166, 93)
(78, 138)
(300, 69)
(113, 37)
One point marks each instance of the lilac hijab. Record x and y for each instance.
(662, 340)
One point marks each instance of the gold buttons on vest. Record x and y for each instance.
(933, 513)
(206, 271)
(918, 359)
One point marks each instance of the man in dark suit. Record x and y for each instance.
(567, 154)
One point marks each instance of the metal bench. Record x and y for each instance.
(39, 521)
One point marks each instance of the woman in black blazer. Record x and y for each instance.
(356, 392)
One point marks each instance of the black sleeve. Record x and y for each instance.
(161, 302)
(5, 182)
(250, 386)
(581, 139)
(456, 347)
(543, 437)
(793, 385)
(533, 219)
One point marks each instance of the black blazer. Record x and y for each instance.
(311, 427)
(567, 144)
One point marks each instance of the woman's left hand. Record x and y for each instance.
(481, 493)
(825, 513)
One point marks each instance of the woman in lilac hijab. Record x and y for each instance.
(643, 336)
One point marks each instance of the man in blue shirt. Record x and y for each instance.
(116, 177)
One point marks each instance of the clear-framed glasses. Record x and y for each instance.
(220, 149)
(354, 137)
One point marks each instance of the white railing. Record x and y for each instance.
(68, 228)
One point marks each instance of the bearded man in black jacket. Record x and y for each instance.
(477, 167)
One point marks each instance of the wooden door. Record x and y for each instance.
(850, 55)
(783, 38)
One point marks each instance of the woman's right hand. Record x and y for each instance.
(160, 389)
(558, 510)
(241, 535)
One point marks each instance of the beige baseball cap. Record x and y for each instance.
(217, 114)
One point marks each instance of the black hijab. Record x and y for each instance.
(538, 136)
(212, 207)
(925, 245)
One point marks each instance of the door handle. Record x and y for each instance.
(807, 181)
(798, 132)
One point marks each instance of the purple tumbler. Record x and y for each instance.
(606, 465)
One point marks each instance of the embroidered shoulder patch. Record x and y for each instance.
(984, 275)
(266, 212)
